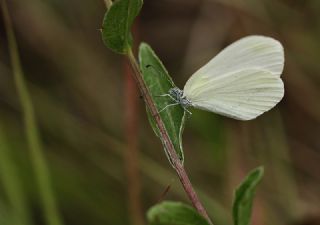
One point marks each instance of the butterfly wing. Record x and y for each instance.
(242, 81)
(242, 95)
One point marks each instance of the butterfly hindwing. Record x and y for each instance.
(242, 95)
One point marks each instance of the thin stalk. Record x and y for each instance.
(37, 157)
(131, 155)
(178, 166)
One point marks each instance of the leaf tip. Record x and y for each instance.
(244, 195)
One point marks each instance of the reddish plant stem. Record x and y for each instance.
(177, 164)
(132, 152)
(131, 156)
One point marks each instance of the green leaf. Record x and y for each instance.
(117, 23)
(158, 83)
(174, 213)
(244, 195)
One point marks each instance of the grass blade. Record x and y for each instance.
(36, 152)
(11, 183)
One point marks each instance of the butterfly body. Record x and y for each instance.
(178, 97)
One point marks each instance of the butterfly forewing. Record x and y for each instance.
(252, 52)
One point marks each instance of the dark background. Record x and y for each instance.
(89, 115)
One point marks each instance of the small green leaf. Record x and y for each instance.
(174, 213)
(244, 195)
(117, 23)
(158, 83)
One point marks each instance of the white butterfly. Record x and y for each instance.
(242, 81)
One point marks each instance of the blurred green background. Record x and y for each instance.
(106, 165)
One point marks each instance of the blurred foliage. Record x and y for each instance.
(169, 212)
(77, 87)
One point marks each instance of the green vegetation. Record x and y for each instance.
(63, 115)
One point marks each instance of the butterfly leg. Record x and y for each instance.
(190, 113)
(167, 107)
(165, 95)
